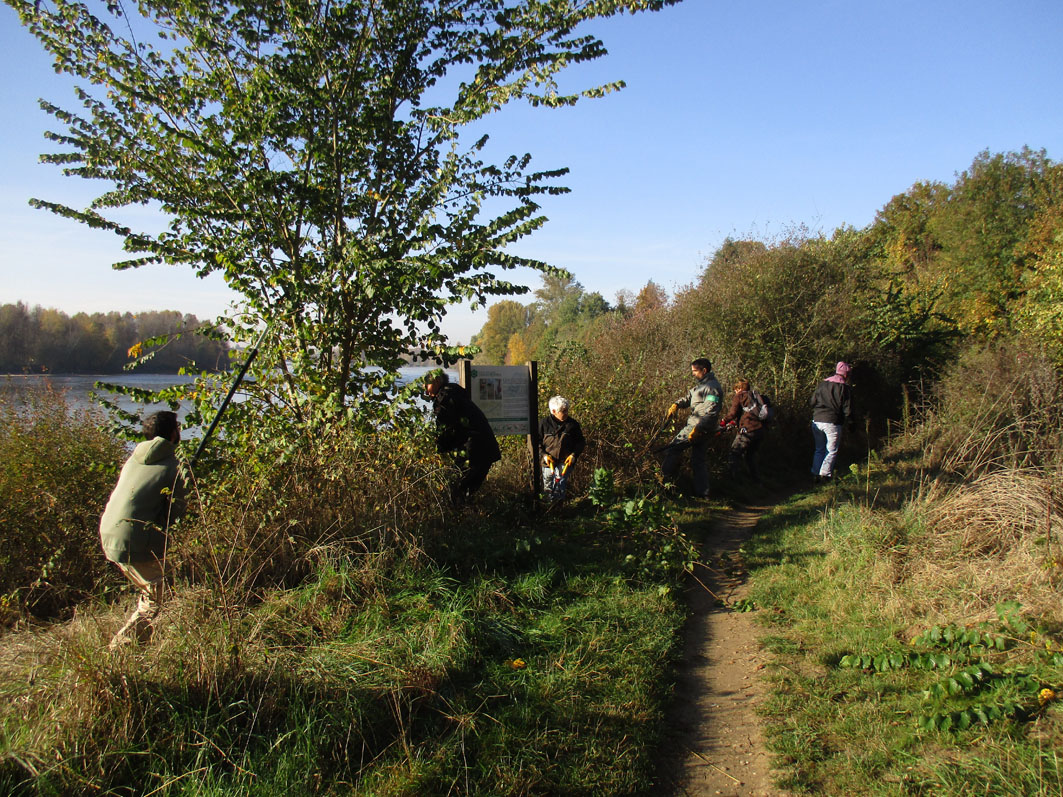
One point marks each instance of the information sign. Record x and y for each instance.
(501, 391)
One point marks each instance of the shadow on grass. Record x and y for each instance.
(238, 733)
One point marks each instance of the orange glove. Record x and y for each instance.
(672, 411)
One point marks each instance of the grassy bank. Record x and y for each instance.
(335, 628)
(539, 681)
(332, 635)
(915, 632)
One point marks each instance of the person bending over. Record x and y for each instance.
(149, 496)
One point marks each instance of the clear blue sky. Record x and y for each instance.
(740, 119)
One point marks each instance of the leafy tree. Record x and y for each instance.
(557, 291)
(311, 153)
(594, 305)
(777, 313)
(517, 352)
(651, 297)
(504, 319)
(47, 340)
(903, 232)
(983, 228)
(562, 313)
(1039, 315)
(17, 333)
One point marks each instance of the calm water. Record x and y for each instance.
(77, 388)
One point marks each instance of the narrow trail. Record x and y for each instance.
(716, 742)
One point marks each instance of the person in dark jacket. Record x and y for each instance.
(832, 408)
(561, 439)
(744, 413)
(148, 497)
(462, 427)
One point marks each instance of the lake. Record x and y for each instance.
(77, 388)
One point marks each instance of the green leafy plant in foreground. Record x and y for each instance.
(971, 689)
(662, 551)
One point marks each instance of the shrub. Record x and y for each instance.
(620, 383)
(998, 406)
(57, 468)
(261, 519)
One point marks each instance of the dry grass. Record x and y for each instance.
(998, 537)
(997, 408)
(996, 512)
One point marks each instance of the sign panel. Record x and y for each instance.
(501, 391)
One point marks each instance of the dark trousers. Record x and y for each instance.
(744, 448)
(471, 476)
(699, 466)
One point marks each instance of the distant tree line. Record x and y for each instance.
(44, 340)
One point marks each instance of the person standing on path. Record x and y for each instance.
(148, 497)
(745, 413)
(463, 428)
(832, 408)
(704, 400)
(561, 439)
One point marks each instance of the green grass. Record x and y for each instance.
(836, 577)
(532, 668)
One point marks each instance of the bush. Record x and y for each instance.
(262, 519)
(998, 406)
(57, 468)
(620, 384)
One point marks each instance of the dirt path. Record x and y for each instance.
(717, 744)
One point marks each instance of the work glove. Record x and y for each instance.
(672, 411)
(568, 462)
(548, 460)
(695, 434)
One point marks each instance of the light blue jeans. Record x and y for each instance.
(828, 436)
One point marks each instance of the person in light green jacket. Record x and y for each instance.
(147, 499)
(704, 401)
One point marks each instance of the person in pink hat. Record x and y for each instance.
(832, 407)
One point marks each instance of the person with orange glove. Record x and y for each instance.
(704, 401)
(750, 412)
(561, 440)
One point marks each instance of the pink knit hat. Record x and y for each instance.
(842, 369)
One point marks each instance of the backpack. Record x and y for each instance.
(760, 406)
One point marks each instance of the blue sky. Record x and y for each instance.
(739, 119)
